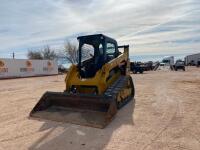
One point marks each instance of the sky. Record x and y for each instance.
(149, 27)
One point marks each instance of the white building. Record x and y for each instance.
(14, 68)
(192, 59)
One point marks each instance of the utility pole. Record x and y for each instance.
(13, 55)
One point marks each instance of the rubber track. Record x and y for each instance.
(113, 90)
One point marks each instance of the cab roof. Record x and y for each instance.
(97, 36)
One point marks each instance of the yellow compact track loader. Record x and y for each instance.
(96, 87)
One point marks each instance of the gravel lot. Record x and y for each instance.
(166, 115)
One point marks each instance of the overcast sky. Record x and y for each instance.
(149, 27)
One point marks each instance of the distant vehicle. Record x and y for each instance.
(62, 69)
(156, 65)
(179, 65)
(147, 66)
(136, 68)
(198, 63)
(192, 60)
(191, 63)
(168, 60)
(162, 64)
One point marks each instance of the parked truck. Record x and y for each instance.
(136, 67)
(179, 65)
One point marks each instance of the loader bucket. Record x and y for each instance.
(88, 110)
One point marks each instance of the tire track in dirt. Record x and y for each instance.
(164, 98)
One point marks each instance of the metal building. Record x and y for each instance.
(14, 68)
(192, 59)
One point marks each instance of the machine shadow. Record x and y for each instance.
(75, 137)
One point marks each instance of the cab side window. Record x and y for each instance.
(101, 49)
(110, 51)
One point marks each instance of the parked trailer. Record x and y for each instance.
(192, 60)
(15, 68)
(168, 60)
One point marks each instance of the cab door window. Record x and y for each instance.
(87, 52)
(110, 51)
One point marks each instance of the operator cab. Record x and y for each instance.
(94, 52)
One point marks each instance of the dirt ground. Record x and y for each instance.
(166, 115)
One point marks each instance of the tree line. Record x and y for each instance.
(70, 52)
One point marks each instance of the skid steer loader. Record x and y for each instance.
(96, 87)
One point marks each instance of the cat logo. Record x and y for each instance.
(49, 67)
(49, 64)
(3, 69)
(28, 67)
(2, 64)
(28, 64)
